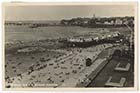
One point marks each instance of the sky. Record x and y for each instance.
(66, 12)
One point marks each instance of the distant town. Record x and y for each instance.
(100, 22)
(79, 21)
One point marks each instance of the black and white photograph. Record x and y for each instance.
(69, 45)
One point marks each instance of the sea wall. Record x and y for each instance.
(86, 76)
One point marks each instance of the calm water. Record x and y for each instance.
(24, 33)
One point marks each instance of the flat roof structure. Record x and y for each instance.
(126, 68)
(115, 84)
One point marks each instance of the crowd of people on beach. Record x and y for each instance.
(61, 67)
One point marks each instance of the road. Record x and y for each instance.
(108, 71)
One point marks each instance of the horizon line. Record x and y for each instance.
(64, 18)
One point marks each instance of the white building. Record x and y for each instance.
(118, 22)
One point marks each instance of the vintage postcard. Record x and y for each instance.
(70, 46)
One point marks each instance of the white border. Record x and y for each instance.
(89, 89)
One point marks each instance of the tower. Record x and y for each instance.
(93, 16)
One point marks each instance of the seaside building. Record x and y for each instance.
(118, 21)
(89, 41)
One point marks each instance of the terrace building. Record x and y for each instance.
(107, 23)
